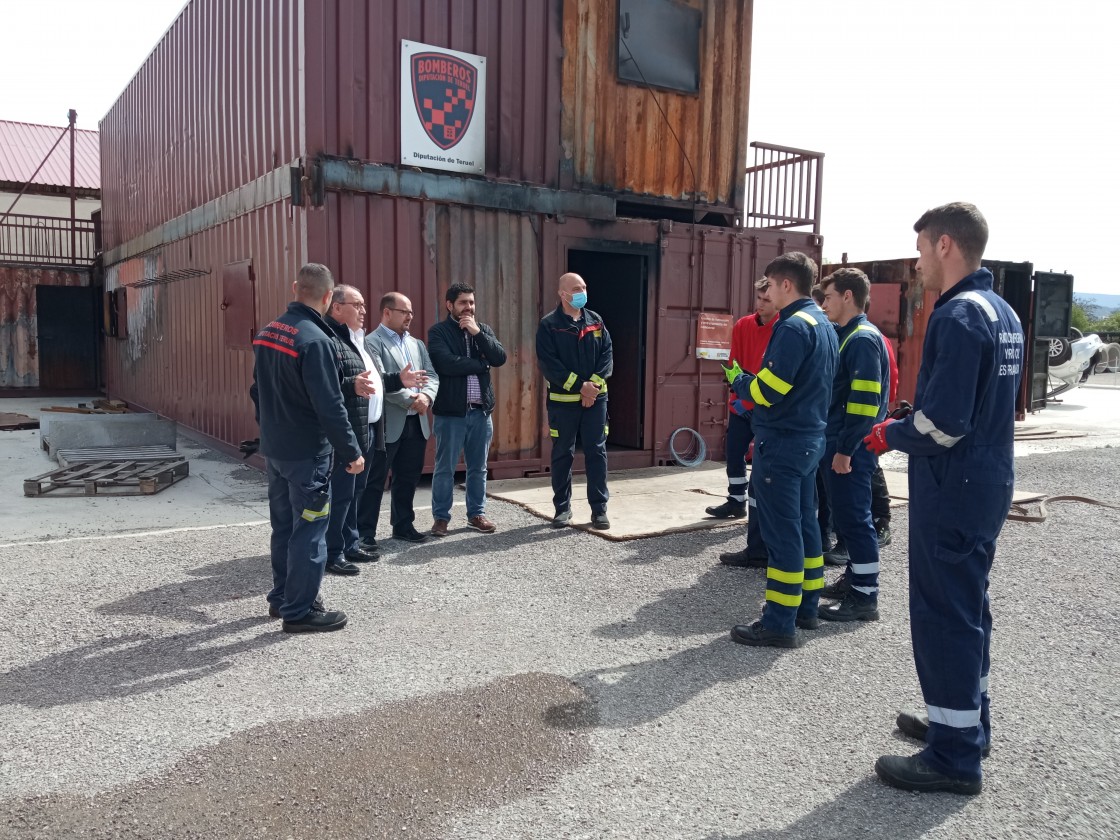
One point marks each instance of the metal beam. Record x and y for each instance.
(355, 176)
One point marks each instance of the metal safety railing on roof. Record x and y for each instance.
(784, 188)
(46, 240)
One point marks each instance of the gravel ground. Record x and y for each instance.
(536, 684)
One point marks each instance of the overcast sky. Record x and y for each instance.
(914, 104)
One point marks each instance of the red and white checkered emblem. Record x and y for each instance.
(443, 89)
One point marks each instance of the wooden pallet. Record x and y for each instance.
(109, 478)
(10, 422)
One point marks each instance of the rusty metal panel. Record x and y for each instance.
(19, 333)
(174, 359)
(615, 137)
(353, 76)
(215, 105)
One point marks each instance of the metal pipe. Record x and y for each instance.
(27, 183)
(73, 116)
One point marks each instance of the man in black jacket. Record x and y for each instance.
(363, 390)
(301, 414)
(462, 351)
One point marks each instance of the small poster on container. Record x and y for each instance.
(713, 335)
(443, 108)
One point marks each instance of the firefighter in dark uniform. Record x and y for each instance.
(859, 401)
(960, 439)
(791, 396)
(574, 354)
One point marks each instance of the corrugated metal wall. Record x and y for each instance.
(216, 104)
(354, 77)
(174, 360)
(19, 335)
(615, 138)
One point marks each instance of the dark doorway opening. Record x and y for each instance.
(67, 322)
(618, 290)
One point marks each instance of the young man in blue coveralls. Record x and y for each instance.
(859, 401)
(304, 430)
(960, 439)
(791, 395)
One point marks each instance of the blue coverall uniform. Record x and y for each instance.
(571, 351)
(297, 394)
(791, 396)
(960, 439)
(859, 400)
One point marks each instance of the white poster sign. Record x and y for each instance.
(443, 108)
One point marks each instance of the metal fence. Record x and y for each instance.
(784, 188)
(46, 240)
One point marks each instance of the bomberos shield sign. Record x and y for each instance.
(443, 108)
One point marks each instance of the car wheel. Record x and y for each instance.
(1060, 351)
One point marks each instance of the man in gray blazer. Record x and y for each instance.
(408, 425)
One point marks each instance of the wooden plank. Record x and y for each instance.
(109, 478)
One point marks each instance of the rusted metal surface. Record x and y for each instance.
(353, 77)
(174, 359)
(217, 104)
(19, 330)
(46, 240)
(23, 147)
(615, 138)
(784, 188)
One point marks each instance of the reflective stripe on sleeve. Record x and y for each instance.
(756, 394)
(805, 316)
(925, 426)
(871, 386)
(774, 381)
(600, 381)
(569, 382)
(956, 718)
(865, 410)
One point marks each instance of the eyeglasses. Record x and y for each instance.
(352, 303)
(407, 312)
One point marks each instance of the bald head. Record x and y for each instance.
(571, 284)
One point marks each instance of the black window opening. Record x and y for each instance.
(659, 44)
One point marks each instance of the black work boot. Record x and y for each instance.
(883, 532)
(730, 509)
(915, 724)
(743, 559)
(911, 773)
(759, 636)
(838, 555)
(852, 608)
(838, 589)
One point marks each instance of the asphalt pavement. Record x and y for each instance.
(532, 683)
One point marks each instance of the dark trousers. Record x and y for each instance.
(346, 494)
(785, 468)
(954, 523)
(850, 495)
(824, 506)
(880, 498)
(739, 436)
(590, 424)
(404, 459)
(298, 509)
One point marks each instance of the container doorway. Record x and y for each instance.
(618, 290)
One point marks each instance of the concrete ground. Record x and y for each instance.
(529, 684)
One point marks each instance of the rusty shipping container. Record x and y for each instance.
(261, 134)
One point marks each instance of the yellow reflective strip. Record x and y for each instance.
(814, 562)
(553, 433)
(598, 380)
(783, 599)
(860, 328)
(774, 381)
(563, 397)
(810, 585)
(863, 410)
(756, 394)
(805, 316)
(312, 515)
(569, 382)
(871, 386)
(606, 430)
(792, 578)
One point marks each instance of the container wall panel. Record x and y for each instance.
(215, 105)
(19, 334)
(620, 137)
(380, 244)
(354, 76)
(175, 360)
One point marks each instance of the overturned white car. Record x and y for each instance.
(1073, 361)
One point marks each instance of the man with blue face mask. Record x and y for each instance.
(574, 354)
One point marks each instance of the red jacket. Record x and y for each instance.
(748, 344)
(893, 362)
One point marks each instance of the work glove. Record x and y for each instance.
(876, 442)
(732, 373)
(903, 410)
(248, 448)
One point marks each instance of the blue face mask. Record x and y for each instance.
(579, 300)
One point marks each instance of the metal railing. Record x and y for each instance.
(46, 240)
(784, 188)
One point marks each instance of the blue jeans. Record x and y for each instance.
(469, 435)
(298, 507)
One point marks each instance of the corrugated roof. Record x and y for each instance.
(24, 145)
